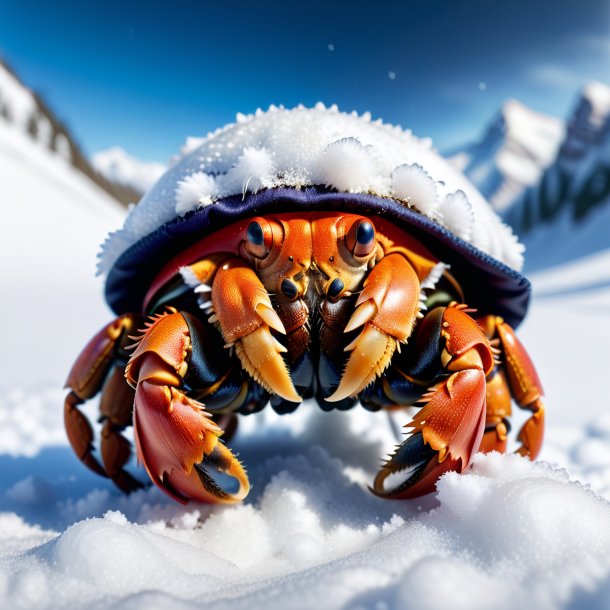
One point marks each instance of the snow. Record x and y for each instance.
(598, 95)
(310, 147)
(512, 155)
(570, 209)
(53, 219)
(508, 533)
(117, 165)
(15, 99)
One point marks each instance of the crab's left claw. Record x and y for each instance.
(447, 431)
(244, 312)
(387, 308)
(176, 439)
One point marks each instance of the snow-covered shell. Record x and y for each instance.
(294, 152)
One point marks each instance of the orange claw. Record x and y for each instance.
(176, 439)
(243, 310)
(447, 432)
(387, 307)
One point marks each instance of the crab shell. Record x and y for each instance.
(318, 159)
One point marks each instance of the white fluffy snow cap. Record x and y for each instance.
(318, 147)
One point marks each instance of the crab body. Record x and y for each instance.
(299, 273)
(298, 305)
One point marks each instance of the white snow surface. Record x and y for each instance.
(508, 533)
(53, 217)
(317, 146)
(118, 165)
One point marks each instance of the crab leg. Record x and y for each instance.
(387, 308)
(244, 312)
(104, 353)
(525, 387)
(447, 431)
(498, 411)
(176, 438)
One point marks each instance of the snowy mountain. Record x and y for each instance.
(27, 112)
(567, 215)
(116, 165)
(512, 155)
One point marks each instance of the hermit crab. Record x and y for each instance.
(306, 254)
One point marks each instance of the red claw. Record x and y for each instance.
(448, 430)
(176, 439)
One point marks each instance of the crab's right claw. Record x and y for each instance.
(448, 430)
(386, 309)
(446, 434)
(244, 312)
(176, 439)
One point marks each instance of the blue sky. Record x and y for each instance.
(144, 75)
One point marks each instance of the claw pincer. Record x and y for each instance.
(176, 439)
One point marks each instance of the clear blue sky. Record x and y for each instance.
(144, 75)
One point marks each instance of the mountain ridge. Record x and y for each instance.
(26, 110)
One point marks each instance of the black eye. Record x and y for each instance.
(255, 234)
(365, 233)
(335, 288)
(289, 289)
(360, 238)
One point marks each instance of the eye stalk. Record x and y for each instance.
(360, 239)
(259, 238)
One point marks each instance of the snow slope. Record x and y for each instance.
(118, 166)
(511, 156)
(508, 533)
(54, 219)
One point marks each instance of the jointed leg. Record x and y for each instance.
(100, 365)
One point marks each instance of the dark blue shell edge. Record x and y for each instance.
(489, 285)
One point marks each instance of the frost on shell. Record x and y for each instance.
(318, 146)
(252, 171)
(457, 215)
(195, 190)
(347, 166)
(413, 184)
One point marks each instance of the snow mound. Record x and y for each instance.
(500, 534)
(315, 147)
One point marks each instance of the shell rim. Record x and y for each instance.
(132, 273)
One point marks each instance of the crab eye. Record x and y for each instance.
(361, 238)
(255, 234)
(259, 238)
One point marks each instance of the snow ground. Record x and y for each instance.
(508, 533)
